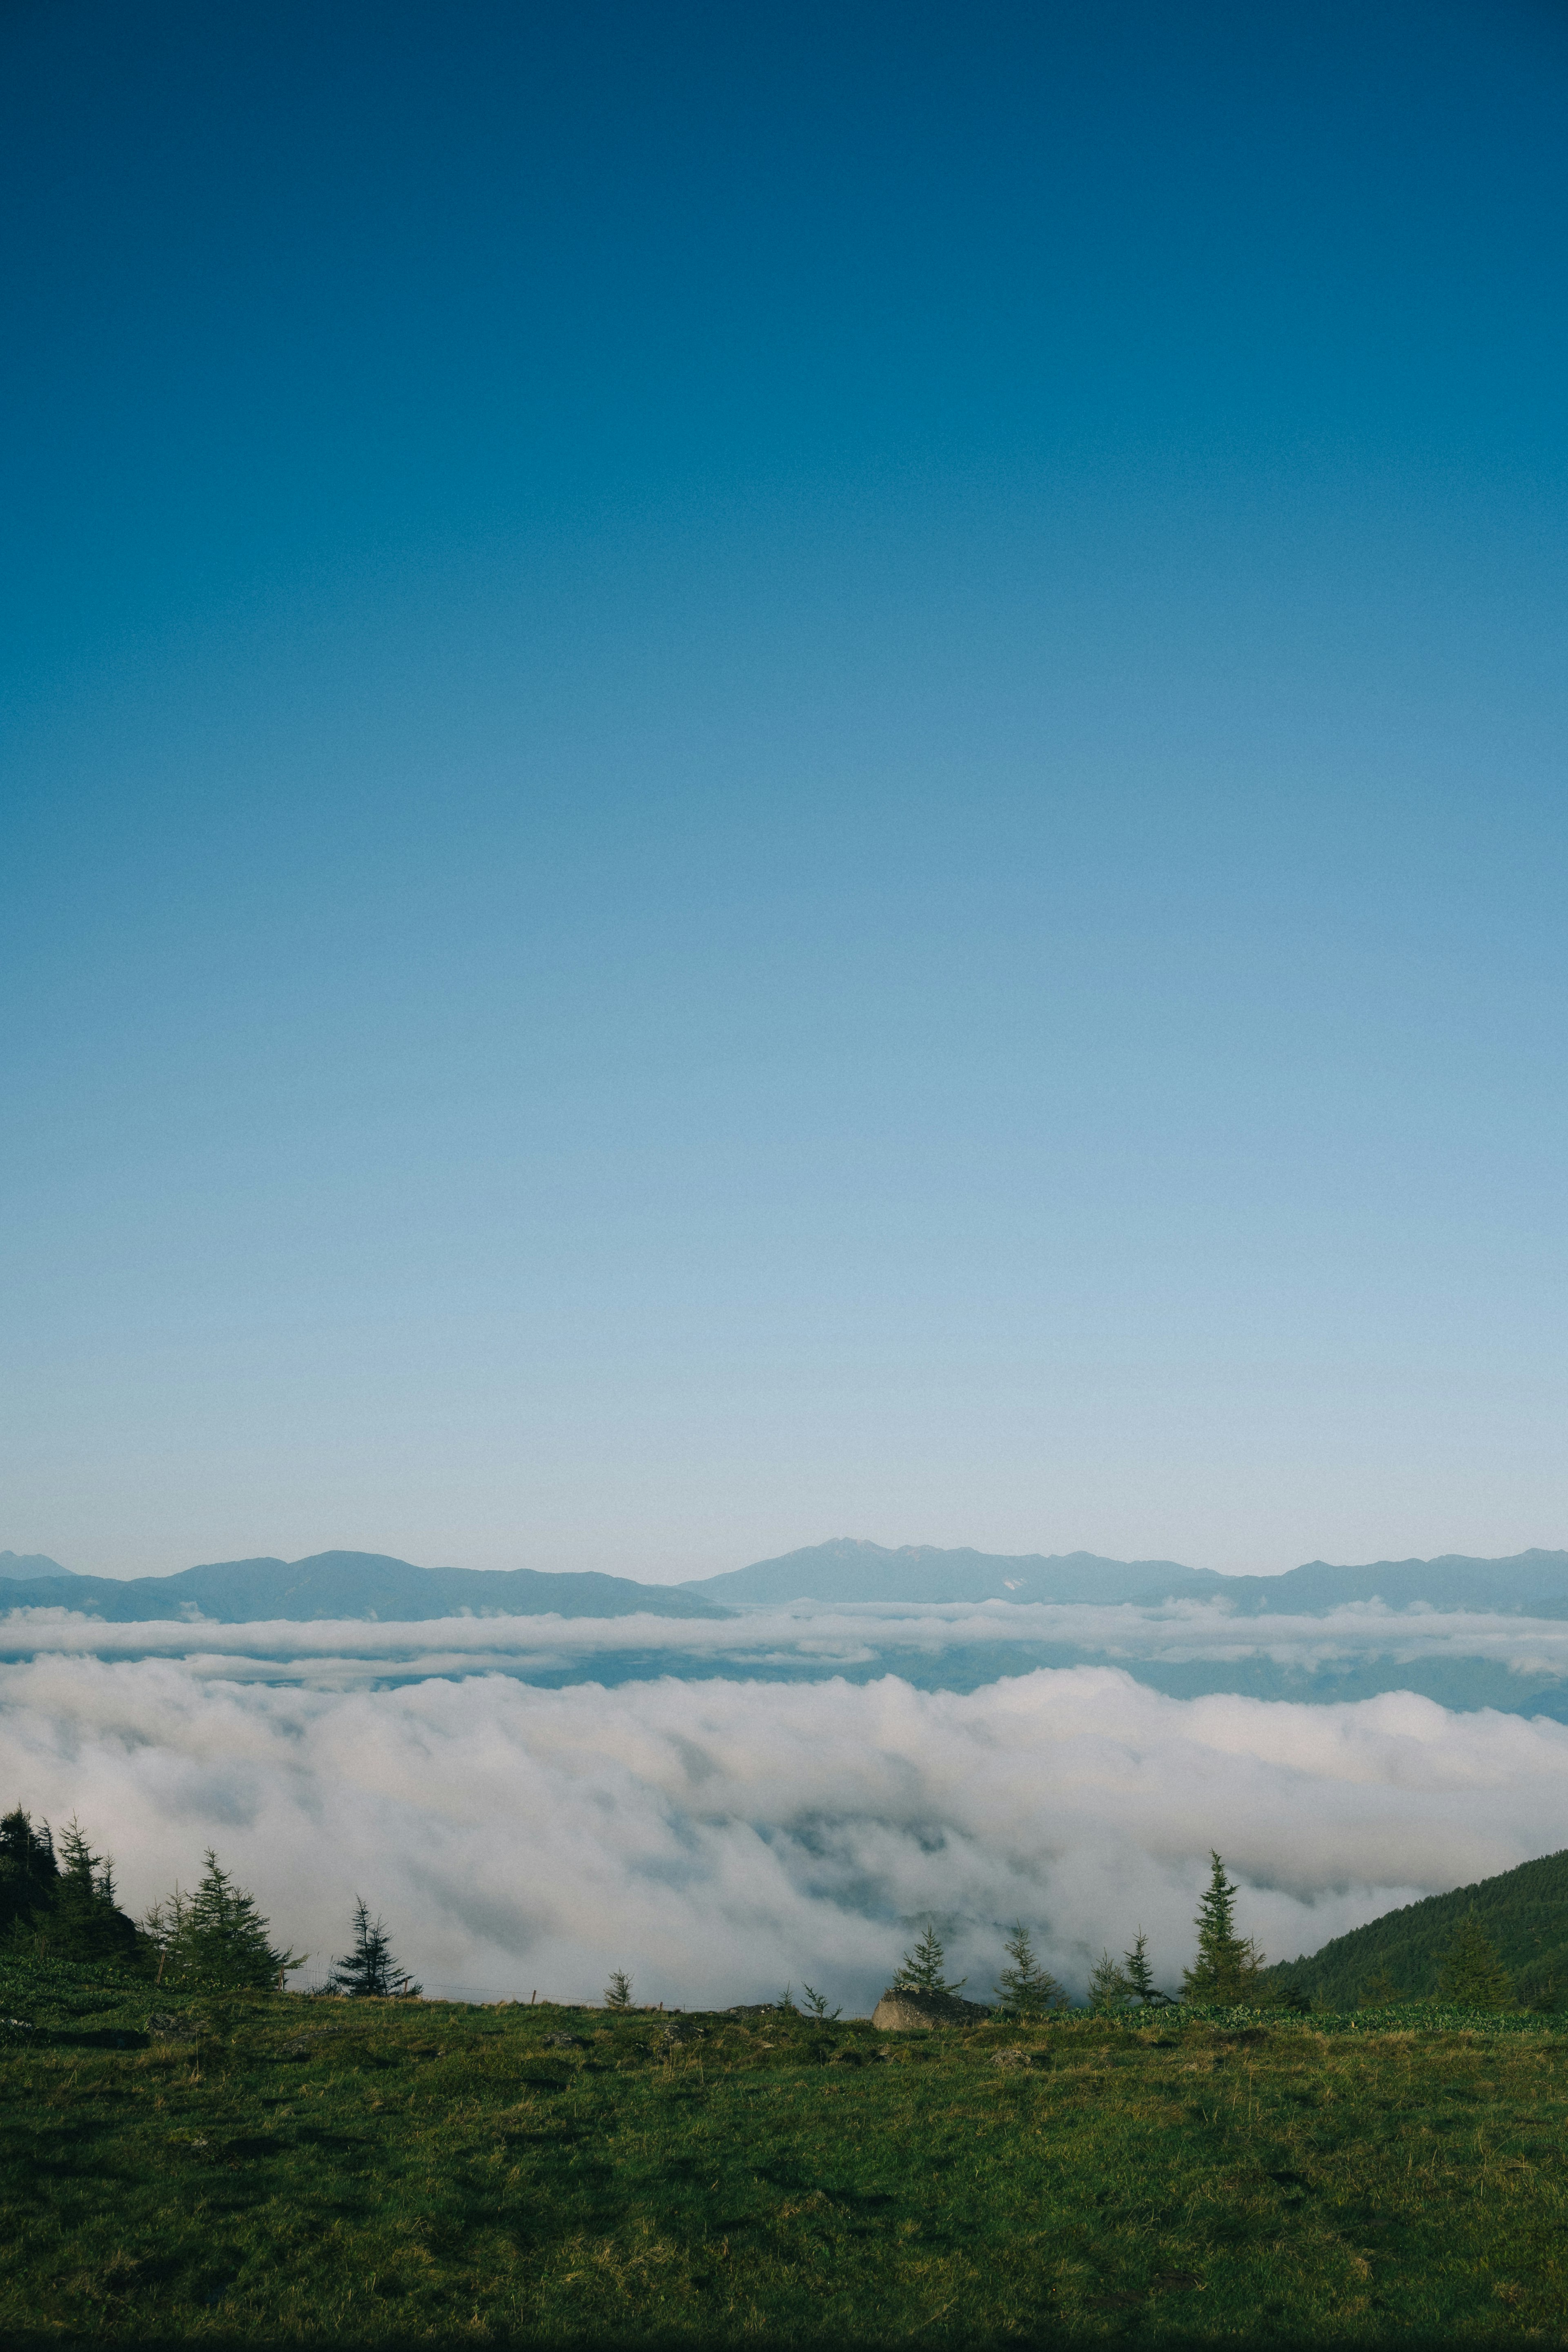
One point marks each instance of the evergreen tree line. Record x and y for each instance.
(1228, 1971)
(62, 1905)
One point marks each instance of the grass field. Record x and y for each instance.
(328, 2171)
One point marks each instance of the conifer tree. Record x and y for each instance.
(1138, 1976)
(1472, 1974)
(1229, 1966)
(77, 1917)
(1025, 1989)
(369, 1970)
(618, 1992)
(163, 1927)
(920, 1969)
(215, 1937)
(28, 1871)
(1108, 1988)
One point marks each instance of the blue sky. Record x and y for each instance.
(783, 772)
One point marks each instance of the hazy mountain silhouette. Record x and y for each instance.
(31, 1563)
(352, 1585)
(355, 1584)
(1530, 1583)
(848, 1569)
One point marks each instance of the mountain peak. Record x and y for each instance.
(31, 1563)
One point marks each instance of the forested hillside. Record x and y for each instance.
(1524, 1913)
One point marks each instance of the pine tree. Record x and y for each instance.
(920, 1970)
(1025, 1989)
(77, 1917)
(618, 1992)
(215, 1937)
(1108, 1988)
(28, 1871)
(1138, 1976)
(163, 1925)
(1472, 1974)
(369, 1972)
(1227, 1969)
(816, 2005)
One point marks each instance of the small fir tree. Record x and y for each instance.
(163, 1927)
(920, 1970)
(215, 1937)
(618, 1992)
(1025, 1989)
(1137, 1975)
(815, 2005)
(1108, 1988)
(369, 1971)
(1472, 1974)
(1227, 1969)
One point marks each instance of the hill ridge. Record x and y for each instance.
(849, 1569)
(352, 1584)
(1523, 1911)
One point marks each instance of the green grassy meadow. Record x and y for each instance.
(309, 2171)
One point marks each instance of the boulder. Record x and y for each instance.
(905, 2008)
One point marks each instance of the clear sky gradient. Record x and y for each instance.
(775, 771)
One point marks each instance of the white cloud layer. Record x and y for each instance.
(718, 1837)
(816, 1635)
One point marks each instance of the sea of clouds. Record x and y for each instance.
(820, 1638)
(722, 1836)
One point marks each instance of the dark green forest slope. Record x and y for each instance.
(1524, 1913)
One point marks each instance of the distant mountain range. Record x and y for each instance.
(346, 1584)
(360, 1584)
(1533, 1583)
(848, 1570)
